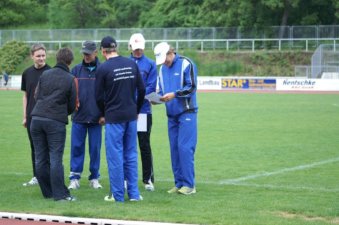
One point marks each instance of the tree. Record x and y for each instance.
(20, 12)
(73, 14)
(122, 13)
(175, 13)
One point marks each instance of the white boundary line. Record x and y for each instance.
(239, 181)
(298, 188)
(281, 171)
(75, 220)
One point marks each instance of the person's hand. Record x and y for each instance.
(77, 105)
(24, 123)
(154, 103)
(167, 97)
(102, 120)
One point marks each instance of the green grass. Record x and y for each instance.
(240, 136)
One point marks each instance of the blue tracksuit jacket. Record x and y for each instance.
(148, 71)
(180, 78)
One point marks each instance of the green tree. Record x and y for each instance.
(213, 13)
(175, 13)
(20, 12)
(73, 14)
(122, 13)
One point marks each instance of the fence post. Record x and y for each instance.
(306, 45)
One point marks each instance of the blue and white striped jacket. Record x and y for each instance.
(180, 78)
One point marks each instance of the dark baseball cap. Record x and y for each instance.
(108, 42)
(88, 47)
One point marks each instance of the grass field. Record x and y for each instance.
(261, 159)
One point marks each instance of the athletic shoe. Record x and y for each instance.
(136, 200)
(94, 183)
(109, 198)
(173, 190)
(74, 184)
(67, 199)
(32, 182)
(149, 186)
(187, 191)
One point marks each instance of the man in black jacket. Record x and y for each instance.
(56, 98)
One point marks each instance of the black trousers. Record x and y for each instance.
(146, 152)
(49, 141)
(28, 126)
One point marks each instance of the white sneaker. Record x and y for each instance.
(136, 200)
(109, 198)
(32, 182)
(74, 184)
(149, 186)
(94, 183)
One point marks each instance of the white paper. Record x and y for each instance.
(154, 97)
(142, 122)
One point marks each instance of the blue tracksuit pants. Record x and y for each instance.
(122, 159)
(182, 133)
(78, 143)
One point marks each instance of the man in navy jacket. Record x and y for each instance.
(118, 81)
(86, 120)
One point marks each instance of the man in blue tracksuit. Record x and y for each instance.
(148, 71)
(118, 81)
(178, 85)
(86, 120)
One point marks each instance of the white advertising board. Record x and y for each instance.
(298, 84)
(209, 83)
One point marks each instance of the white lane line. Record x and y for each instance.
(286, 187)
(211, 182)
(285, 170)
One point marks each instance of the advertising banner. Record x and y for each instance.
(293, 84)
(248, 83)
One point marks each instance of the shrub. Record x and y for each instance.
(12, 54)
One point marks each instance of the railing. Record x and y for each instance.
(303, 44)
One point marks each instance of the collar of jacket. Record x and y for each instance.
(136, 58)
(91, 64)
(62, 66)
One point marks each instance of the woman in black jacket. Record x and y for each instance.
(56, 98)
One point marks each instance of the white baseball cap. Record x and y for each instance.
(160, 52)
(137, 41)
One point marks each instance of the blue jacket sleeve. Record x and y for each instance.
(190, 86)
(151, 82)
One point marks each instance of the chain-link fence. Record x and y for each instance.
(229, 38)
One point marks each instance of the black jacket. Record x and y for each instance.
(56, 94)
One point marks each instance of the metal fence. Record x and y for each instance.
(325, 61)
(229, 38)
(324, 64)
